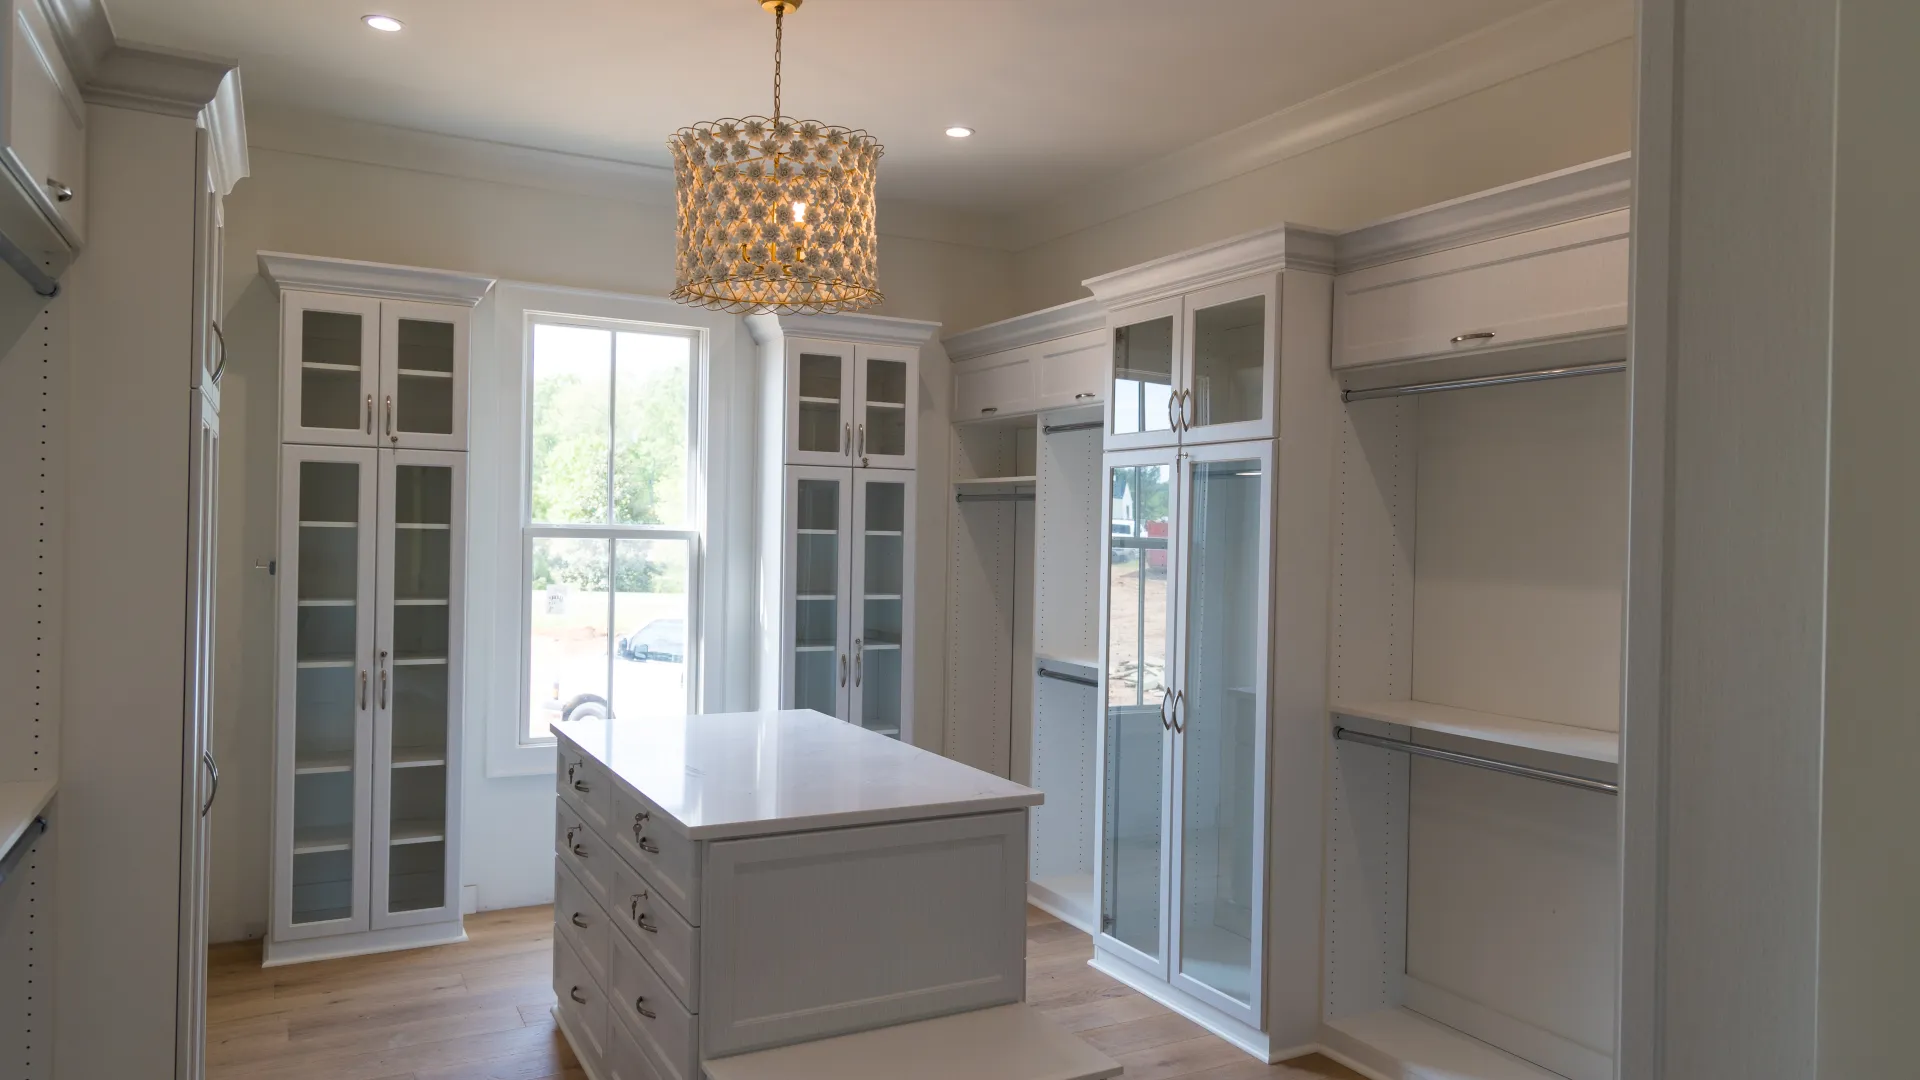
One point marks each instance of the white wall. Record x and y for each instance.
(327, 206)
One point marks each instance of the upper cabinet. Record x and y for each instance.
(1051, 359)
(360, 368)
(46, 130)
(1194, 343)
(851, 403)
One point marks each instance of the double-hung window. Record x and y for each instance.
(610, 539)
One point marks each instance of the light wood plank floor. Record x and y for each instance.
(478, 1011)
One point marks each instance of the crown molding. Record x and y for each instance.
(164, 81)
(1047, 324)
(372, 279)
(1286, 247)
(1598, 187)
(225, 119)
(875, 329)
(1534, 39)
(83, 31)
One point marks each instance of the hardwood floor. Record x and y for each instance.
(478, 1011)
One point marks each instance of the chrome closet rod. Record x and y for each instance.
(1011, 496)
(1077, 680)
(1055, 429)
(16, 854)
(1549, 775)
(1542, 375)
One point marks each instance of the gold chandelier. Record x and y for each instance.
(775, 214)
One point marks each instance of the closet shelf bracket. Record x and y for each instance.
(1551, 776)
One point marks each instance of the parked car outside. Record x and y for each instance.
(661, 639)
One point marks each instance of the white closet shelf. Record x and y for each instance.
(315, 762)
(336, 663)
(988, 483)
(315, 365)
(1577, 742)
(814, 648)
(315, 839)
(329, 524)
(417, 757)
(326, 603)
(833, 401)
(321, 915)
(1421, 1047)
(419, 603)
(880, 596)
(419, 661)
(421, 525)
(884, 532)
(886, 405)
(881, 646)
(815, 596)
(423, 373)
(817, 532)
(419, 831)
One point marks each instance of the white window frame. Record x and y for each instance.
(720, 518)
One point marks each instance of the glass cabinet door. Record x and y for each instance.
(882, 602)
(1141, 407)
(820, 518)
(888, 417)
(423, 400)
(331, 351)
(1219, 741)
(1139, 634)
(1228, 374)
(820, 396)
(417, 689)
(327, 643)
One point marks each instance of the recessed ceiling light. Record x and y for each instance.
(959, 131)
(384, 22)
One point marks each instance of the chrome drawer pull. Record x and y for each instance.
(579, 920)
(640, 1006)
(1083, 397)
(580, 786)
(580, 851)
(575, 995)
(61, 192)
(1482, 335)
(646, 845)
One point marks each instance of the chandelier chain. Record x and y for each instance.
(779, 31)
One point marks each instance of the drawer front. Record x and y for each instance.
(582, 1001)
(666, 858)
(1073, 371)
(581, 850)
(665, 939)
(1559, 282)
(661, 1026)
(997, 385)
(580, 920)
(582, 782)
(46, 120)
(625, 1060)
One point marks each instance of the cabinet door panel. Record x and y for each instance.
(1144, 372)
(423, 376)
(820, 395)
(1071, 371)
(331, 358)
(886, 426)
(992, 386)
(882, 602)
(815, 655)
(46, 121)
(1231, 374)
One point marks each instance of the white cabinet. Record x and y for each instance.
(1054, 374)
(1203, 367)
(851, 404)
(45, 121)
(1560, 282)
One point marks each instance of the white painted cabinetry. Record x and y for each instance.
(45, 120)
(1051, 359)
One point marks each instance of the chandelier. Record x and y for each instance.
(776, 215)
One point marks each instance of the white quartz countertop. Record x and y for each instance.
(20, 803)
(728, 775)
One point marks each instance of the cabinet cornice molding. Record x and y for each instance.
(1597, 187)
(172, 82)
(1286, 247)
(1047, 324)
(225, 118)
(874, 329)
(319, 274)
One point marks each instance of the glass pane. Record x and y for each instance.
(1229, 360)
(330, 371)
(878, 659)
(572, 431)
(1143, 376)
(816, 584)
(1137, 633)
(820, 428)
(651, 375)
(417, 850)
(327, 649)
(1222, 668)
(569, 655)
(650, 619)
(425, 398)
(887, 402)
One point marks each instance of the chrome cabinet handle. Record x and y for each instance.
(220, 365)
(640, 1006)
(390, 431)
(846, 438)
(862, 452)
(383, 678)
(580, 850)
(363, 688)
(579, 920)
(1173, 422)
(1186, 414)
(1179, 699)
(61, 192)
(581, 786)
(575, 995)
(648, 846)
(213, 774)
(1166, 697)
(642, 923)
(369, 414)
(843, 669)
(1479, 335)
(859, 660)
(1085, 396)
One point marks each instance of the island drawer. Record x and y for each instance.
(662, 854)
(625, 1060)
(659, 1022)
(585, 784)
(581, 850)
(581, 920)
(581, 1001)
(665, 939)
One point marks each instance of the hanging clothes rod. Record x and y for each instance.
(1508, 767)
(1543, 375)
(13, 857)
(1055, 429)
(1077, 680)
(1007, 496)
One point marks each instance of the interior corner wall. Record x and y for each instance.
(325, 206)
(1571, 112)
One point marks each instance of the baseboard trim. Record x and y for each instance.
(398, 939)
(1233, 1031)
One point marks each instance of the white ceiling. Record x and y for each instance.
(1062, 92)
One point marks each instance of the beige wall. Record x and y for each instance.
(1563, 115)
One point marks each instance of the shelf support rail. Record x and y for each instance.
(1077, 680)
(1542, 375)
(1009, 496)
(1551, 776)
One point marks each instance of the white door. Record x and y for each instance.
(416, 699)
(1218, 833)
(202, 771)
(816, 659)
(1138, 630)
(881, 590)
(886, 422)
(330, 350)
(324, 734)
(423, 376)
(820, 395)
(1230, 375)
(1144, 375)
